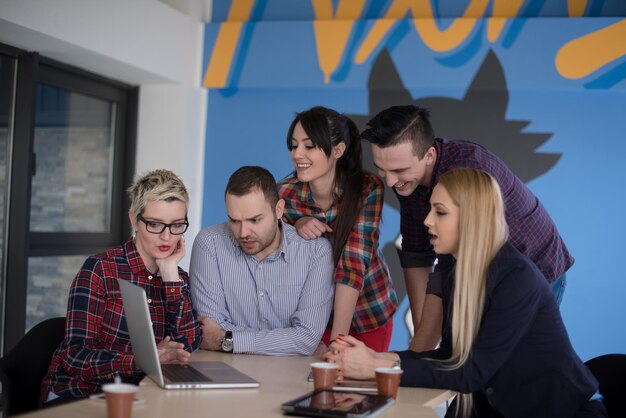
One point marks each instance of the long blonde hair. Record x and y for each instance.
(482, 232)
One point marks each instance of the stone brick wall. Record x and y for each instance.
(70, 193)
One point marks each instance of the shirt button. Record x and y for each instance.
(261, 294)
(150, 277)
(172, 290)
(489, 391)
(149, 300)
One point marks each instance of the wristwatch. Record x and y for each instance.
(396, 365)
(227, 342)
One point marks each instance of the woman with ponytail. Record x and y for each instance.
(329, 194)
(505, 348)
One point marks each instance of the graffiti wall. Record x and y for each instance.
(542, 83)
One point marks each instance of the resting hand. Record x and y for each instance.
(171, 350)
(355, 359)
(311, 228)
(168, 267)
(212, 334)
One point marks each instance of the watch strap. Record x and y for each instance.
(228, 339)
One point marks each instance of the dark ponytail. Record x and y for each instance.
(350, 173)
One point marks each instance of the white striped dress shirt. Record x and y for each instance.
(278, 306)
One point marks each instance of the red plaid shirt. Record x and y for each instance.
(96, 343)
(361, 265)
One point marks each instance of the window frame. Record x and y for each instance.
(33, 69)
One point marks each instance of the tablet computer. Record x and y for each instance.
(337, 404)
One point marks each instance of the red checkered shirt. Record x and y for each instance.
(361, 265)
(97, 343)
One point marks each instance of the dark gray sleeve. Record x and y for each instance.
(410, 259)
(435, 284)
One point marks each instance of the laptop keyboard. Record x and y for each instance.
(183, 373)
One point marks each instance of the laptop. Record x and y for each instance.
(191, 375)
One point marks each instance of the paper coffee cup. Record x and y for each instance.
(388, 381)
(119, 397)
(324, 374)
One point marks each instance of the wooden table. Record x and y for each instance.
(281, 378)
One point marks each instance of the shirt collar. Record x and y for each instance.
(281, 250)
(286, 231)
(437, 167)
(306, 195)
(134, 258)
(438, 144)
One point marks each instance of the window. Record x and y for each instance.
(72, 160)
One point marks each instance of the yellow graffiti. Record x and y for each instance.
(226, 44)
(332, 32)
(500, 11)
(576, 8)
(433, 37)
(583, 56)
(576, 59)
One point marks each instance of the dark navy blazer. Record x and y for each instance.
(522, 359)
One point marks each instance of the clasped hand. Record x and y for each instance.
(321, 350)
(355, 359)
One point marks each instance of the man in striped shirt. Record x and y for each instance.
(258, 285)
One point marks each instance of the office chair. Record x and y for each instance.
(23, 368)
(610, 370)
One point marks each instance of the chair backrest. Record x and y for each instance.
(23, 368)
(610, 370)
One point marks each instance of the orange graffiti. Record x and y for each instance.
(332, 32)
(501, 10)
(226, 43)
(576, 8)
(585, 55)
(332, 28)
(435, 38)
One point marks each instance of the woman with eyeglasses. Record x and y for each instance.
(96, 347)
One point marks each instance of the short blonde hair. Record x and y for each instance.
(155, 186)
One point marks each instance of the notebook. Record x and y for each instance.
(195, 374)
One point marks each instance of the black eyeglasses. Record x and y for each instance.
(153, 227)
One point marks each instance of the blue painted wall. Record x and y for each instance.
(528, 94)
